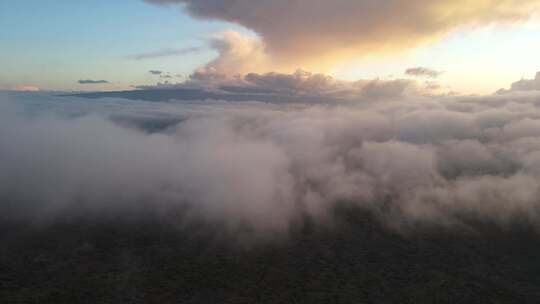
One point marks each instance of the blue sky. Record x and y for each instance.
(53, 44)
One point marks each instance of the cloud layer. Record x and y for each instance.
(429, 160)
(318, 32)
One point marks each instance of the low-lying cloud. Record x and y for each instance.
(431, 160)
(20, 88)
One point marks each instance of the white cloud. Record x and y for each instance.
(428, 159)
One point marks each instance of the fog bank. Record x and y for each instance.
(428, 160)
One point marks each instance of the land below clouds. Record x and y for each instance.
(147, 259)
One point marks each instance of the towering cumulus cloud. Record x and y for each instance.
(237, 54)
(318, 32)
(431, 160)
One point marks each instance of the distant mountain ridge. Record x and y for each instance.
(201, 94)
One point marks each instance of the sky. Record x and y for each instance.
(477, 47)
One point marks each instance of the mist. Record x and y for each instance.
(438, 161)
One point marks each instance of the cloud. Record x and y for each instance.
(161, 74)
(422, 72)
(523, 85)
(283, 86)
(237, 54)
(300, 82)
(527, 84)
(20, 88)
(255, 167)
(90, 81)
(385, 89)
(170, 52)
(319, 33)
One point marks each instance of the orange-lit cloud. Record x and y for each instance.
(319, 33)
(21, 88)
